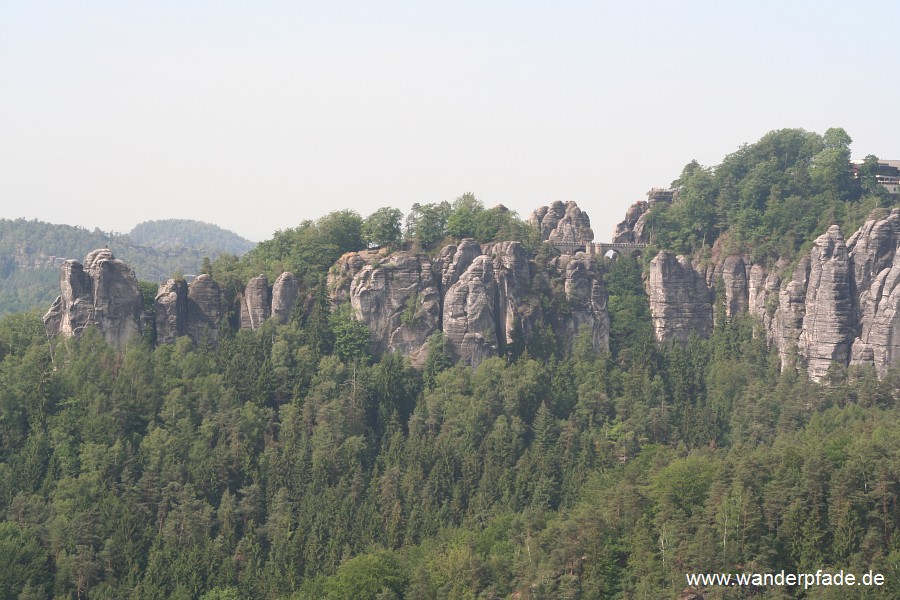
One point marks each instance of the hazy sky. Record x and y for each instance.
(257, 115)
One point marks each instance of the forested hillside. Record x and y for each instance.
(32, 251)
(185, 233)
(291, 462)
(270, 467)
(771, 197)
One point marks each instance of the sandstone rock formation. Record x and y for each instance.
(562, 223)
(482, 298)
(398, 299)
(840, 305)
(204, 309)
(103, 292)
(875, 262)
(256, 303)
(627, 231)
(586, 297)
(680, 301)
(170, 308)
(517, 304)
(284, 297)
(734, 279)
(454, 260)
(827, 331)
(470, 313)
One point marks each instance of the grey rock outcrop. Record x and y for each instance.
(875, 262)
(398, 299)
(827, 332)
(788, 323)
(680, 301)
(562, 223)
(256, 303)
(517, 304)
(454, 260)
(171, 310)
(734, 279)
(103, 292)
(204, 311)
(627, 231)
(762, 296)
(341, 274)
(285, 292)
(586, 298)
(470, 313)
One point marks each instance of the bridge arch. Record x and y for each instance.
(602, 248)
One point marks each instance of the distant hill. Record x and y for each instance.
(32, 251)
(185, 233)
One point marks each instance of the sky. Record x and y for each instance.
(257, 116)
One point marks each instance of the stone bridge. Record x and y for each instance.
(601, 248)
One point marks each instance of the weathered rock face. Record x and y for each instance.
(256, 303)
(586, 297)
(828, 323)
(841, 305)
(398, 299)
(625, 231)
(680, 301)
(562, 223)
(454, 260)
(284, 297)
(341, 273)
(470, 313)
(517, 304)
(762, 297)
(788, 321)
(103, 292)
(171, 308)
(734, 278)
(204, 311)
(480, 297)
(875, 262)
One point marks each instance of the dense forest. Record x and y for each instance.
(186, 233)
(770, 198)
(29, 275)
(269, 467)
(290, 463)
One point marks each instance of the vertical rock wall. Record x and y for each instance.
(104, 293)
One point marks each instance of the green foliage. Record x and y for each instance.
(307, 250)
(469, 219)
(770, 197)
(186, 233)
(464, 214)
(22, 561)
(413, 304)
(148, 294)
(261, 469)
(438, 358)
(288, 462)
(368, 577)
(382, 228)
(630, 326)
(352, 340)
(426, 224)
(167, 251)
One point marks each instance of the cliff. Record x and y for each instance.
(103, 292)
(839, 304)
(482, 298)
(562, 223)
